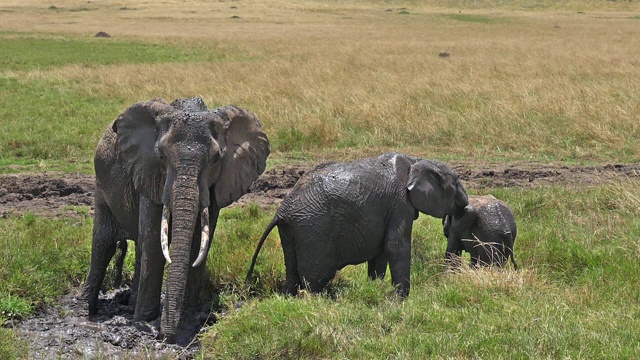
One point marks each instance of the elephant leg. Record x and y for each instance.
(317, 283)
(151, 262)
(316, 261)
(486, 253)
(103, 247)
(456, 227)
(454, 251)
(398, 248)
(122, 246)
(377, 267)
(293, 282)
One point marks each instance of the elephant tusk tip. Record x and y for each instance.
(198, 262)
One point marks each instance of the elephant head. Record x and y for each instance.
(434, 188)
(191, 161)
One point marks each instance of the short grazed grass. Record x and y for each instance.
(547, 81)
(32, 53)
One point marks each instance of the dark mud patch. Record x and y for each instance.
(535, 175)
(64, 332)
(60, 195)
(45, 194)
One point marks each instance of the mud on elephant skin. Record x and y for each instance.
(486, 229)
(163, 172)
(362, 211)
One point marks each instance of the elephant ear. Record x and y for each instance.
(431, 187)
(136, 131)
(245, 147)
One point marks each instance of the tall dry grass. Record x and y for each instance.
(552, 84)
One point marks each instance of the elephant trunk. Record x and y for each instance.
(185, 209)
(461, 199)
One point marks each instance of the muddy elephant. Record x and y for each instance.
(163, 172)
(486, 229)
(362, 211)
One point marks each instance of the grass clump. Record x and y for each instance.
(41, 259)
(12, 347)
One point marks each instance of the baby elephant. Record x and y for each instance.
(363, 211)
(486, 229)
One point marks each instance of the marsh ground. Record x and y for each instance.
(65, 194)
(63, 330)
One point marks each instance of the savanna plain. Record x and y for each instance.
(509, 85)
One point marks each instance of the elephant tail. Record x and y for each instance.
(511, 239)
(270, 227)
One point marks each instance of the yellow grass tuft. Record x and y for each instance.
(506, 281)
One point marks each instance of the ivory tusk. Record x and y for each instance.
(204, 237)
(164, 233)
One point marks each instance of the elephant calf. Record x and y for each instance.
(363, 211)
(486, 229)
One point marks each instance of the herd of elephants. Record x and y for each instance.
(164, 171)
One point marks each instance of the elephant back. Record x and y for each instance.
(495, 217)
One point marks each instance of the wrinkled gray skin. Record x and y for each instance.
(178, 160)
(486, 229)
(363, 211)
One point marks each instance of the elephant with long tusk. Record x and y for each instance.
(163, 172)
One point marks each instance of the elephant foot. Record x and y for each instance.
(169, 339)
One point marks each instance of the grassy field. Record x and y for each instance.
(542, 81)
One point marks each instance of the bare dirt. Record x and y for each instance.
(64, 332)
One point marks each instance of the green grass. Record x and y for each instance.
(576, 247)
(11, 346)
(41, 259)
(43, 52)
(56, 123)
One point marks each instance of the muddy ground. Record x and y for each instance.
(64, 331)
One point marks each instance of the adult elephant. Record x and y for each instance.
(486, 229)
(163, 166)
(363, 211)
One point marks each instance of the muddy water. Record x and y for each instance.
(65, 332)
